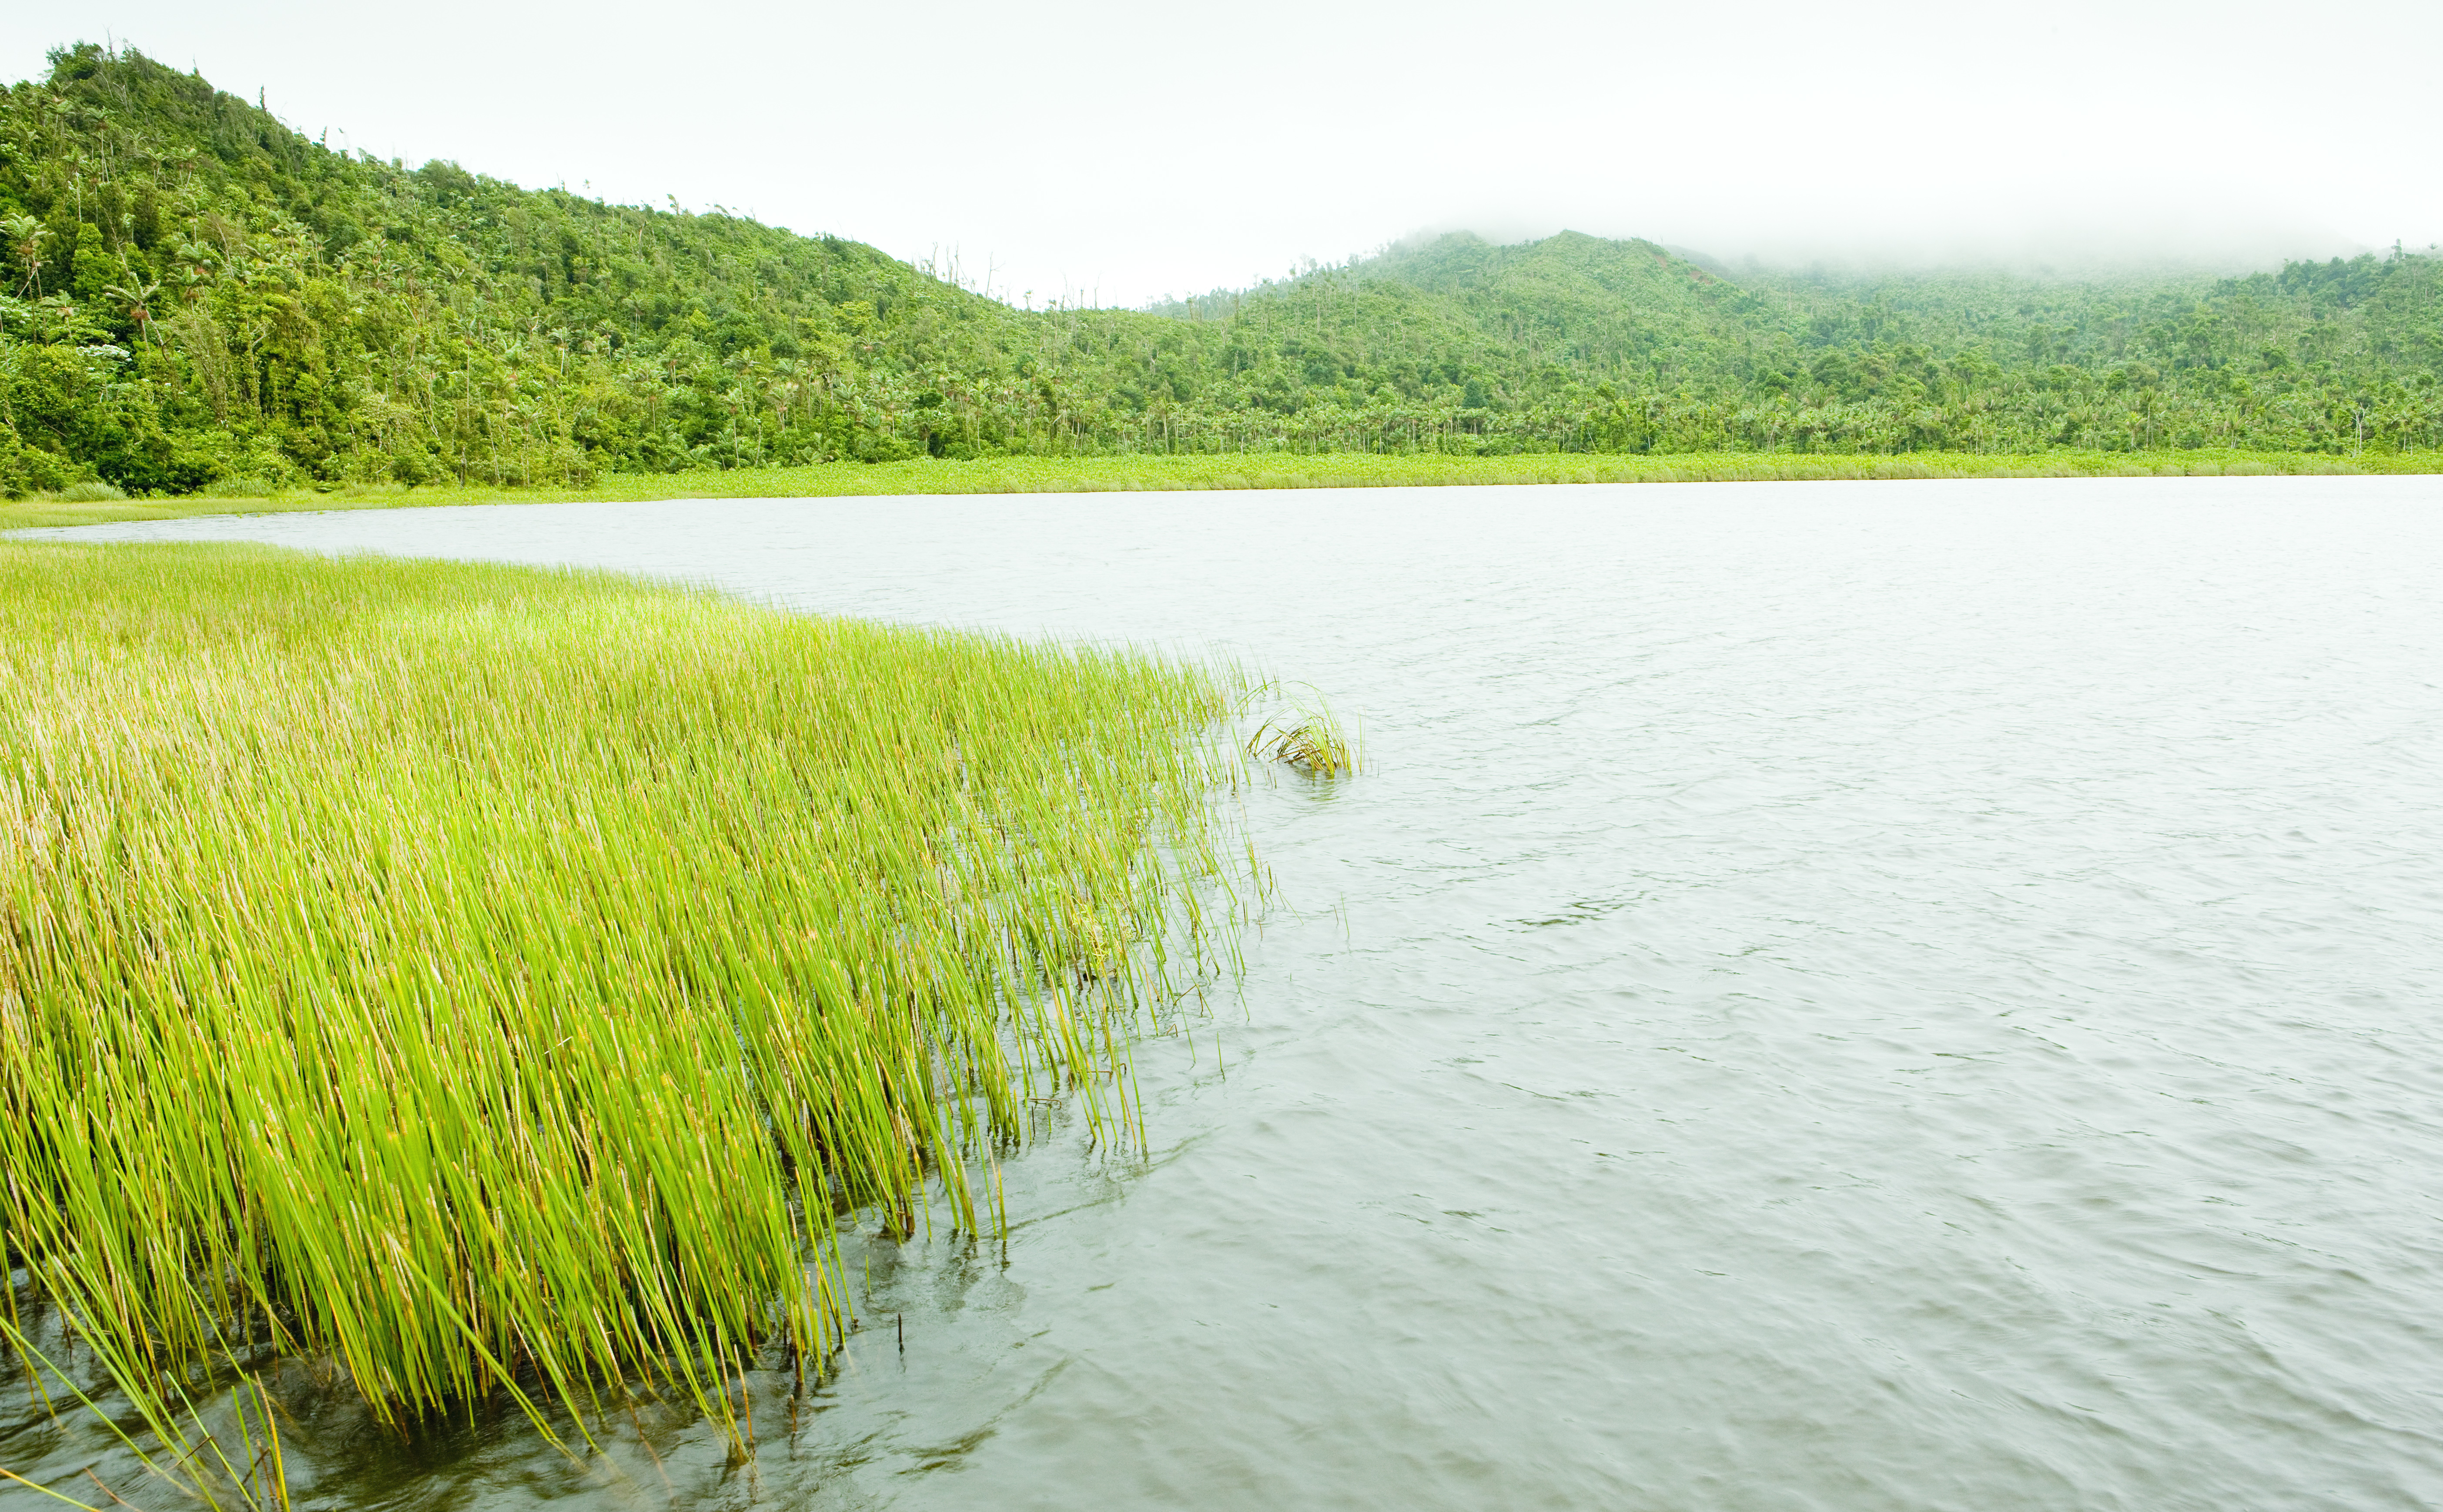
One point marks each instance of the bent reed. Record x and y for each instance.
(500, 981)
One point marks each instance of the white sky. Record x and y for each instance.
(1126, 151)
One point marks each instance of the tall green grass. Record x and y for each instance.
(496, 982)
(1253, 470)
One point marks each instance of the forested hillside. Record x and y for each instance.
(198, 296)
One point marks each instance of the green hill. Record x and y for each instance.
(199, 296)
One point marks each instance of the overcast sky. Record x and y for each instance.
(1126, 151)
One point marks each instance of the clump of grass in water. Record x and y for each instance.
(495, 981)
(1308, 735)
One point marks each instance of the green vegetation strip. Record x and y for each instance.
(498, 981)
(194, 297)
(1254, 471)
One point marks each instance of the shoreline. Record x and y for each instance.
(1265, 470)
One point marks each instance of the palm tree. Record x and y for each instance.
(138, 302)
(29, 234)
(195, 260)
(737, 400)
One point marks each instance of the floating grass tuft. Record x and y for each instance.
(495, 981)
(1306, 735)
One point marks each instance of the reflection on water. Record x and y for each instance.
(1845, 996)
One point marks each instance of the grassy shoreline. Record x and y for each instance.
(602, 943)
(1029, 475)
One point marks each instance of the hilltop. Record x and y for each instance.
(201, 297)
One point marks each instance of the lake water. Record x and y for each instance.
(1839, 995)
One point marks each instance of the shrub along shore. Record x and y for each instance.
(499, 983)
(1271, 470)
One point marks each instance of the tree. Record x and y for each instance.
(27, 233)
(136, 302)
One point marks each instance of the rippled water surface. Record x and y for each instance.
(1829, 996)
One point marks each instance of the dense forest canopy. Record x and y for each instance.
(196, 295)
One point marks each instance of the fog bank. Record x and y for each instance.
(1119, 153)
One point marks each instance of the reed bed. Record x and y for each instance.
(1250, 469)
(497, 982)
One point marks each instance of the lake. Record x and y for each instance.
(1848, 995)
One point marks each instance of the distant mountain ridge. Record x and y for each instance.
(198, 295)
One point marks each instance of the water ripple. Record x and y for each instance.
(1830, 996)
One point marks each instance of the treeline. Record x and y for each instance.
(199, 296)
